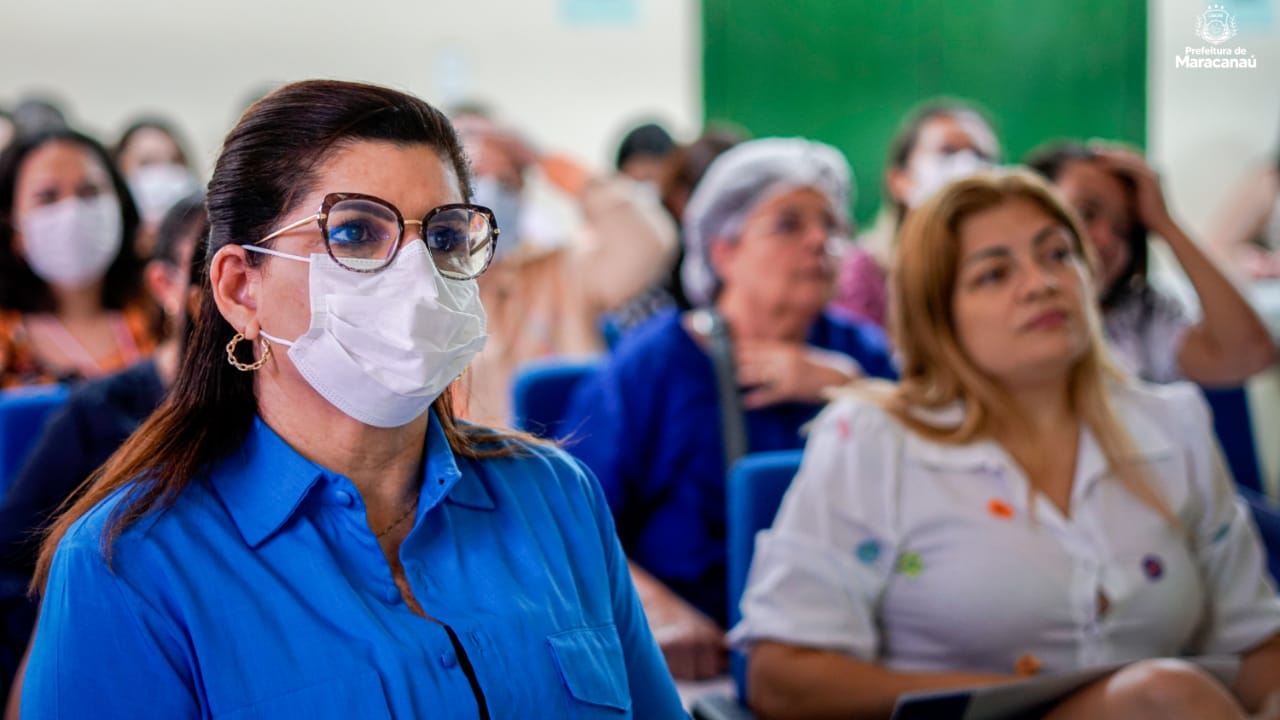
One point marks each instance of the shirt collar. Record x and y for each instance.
(1150, 441)
(264, 482)
(442, 478)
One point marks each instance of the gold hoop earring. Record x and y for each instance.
(247, 367)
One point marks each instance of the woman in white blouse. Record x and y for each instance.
(1014, 506)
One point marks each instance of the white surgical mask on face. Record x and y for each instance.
(931, 172)
(72, 242)
(156, 188)
(381, 347)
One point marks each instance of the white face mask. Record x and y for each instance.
(72, 242)
(931, 172)
(506, 206)
(383, 346)
(156, 188)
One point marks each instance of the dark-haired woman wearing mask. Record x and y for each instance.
(72, 304)
(939, 141)
(1119, 199)
(151, 157)
(302, 529)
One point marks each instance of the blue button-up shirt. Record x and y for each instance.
(262, 592)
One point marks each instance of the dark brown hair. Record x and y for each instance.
(908, 133)
(150, 123)
(267, 165)
(20, 288)
(1051, 160)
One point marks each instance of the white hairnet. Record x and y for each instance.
(738, 181)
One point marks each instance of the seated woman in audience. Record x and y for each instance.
(544, 295)
(95, 420)
(661, 421)
(152, 160)
(1246, 232)
(1119, 200)
(1014, 505)
(303, 529)
(940, 141)
(72, 304)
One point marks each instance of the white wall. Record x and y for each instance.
(1205, 127)
(571, 86)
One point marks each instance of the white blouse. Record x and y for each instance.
(922, 556)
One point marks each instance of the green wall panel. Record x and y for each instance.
(846, 71)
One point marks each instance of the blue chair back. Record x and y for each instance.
(541, 391)
(23, 412)
(753, 492)
(1267, 517)
(1232, 424)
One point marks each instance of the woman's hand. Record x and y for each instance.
(1261, 265)
(789, 372)
(692, 643)
(1149, 200)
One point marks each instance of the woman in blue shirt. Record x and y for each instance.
(302, 529)
(654, 423)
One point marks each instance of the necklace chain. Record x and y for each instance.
(408, 511)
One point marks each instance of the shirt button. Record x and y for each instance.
(392, 595)
(448, 659)
(341, 497)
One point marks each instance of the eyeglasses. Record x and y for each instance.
(362, 233)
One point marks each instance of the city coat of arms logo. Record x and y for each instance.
(1215, 25)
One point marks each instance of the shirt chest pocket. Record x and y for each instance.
(593, 670)
(359, 695)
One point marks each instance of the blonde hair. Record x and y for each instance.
(936, 371)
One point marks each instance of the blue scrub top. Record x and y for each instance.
(262, 592)
(648, 425)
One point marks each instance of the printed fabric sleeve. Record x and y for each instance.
(1243, 607)
(817, 575)
(653, 692)
(101, 650)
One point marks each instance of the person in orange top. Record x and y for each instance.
(72, 304)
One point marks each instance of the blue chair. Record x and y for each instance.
(1267, 517)
(23, 412)
(753, 493)
(541, 391)
(1232, 425)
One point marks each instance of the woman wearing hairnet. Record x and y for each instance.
(654, 422)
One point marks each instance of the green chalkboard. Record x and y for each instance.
(847, 71)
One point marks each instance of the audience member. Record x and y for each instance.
(1120, 200)
(685, 395)
(96, 419)
(685, 167)
(37, 115)
(72, 304)
(1246, 231)
(1013, 506)
(940, 141)
(294, 532)
(644, 153)
(154, 162)
(548, 298)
